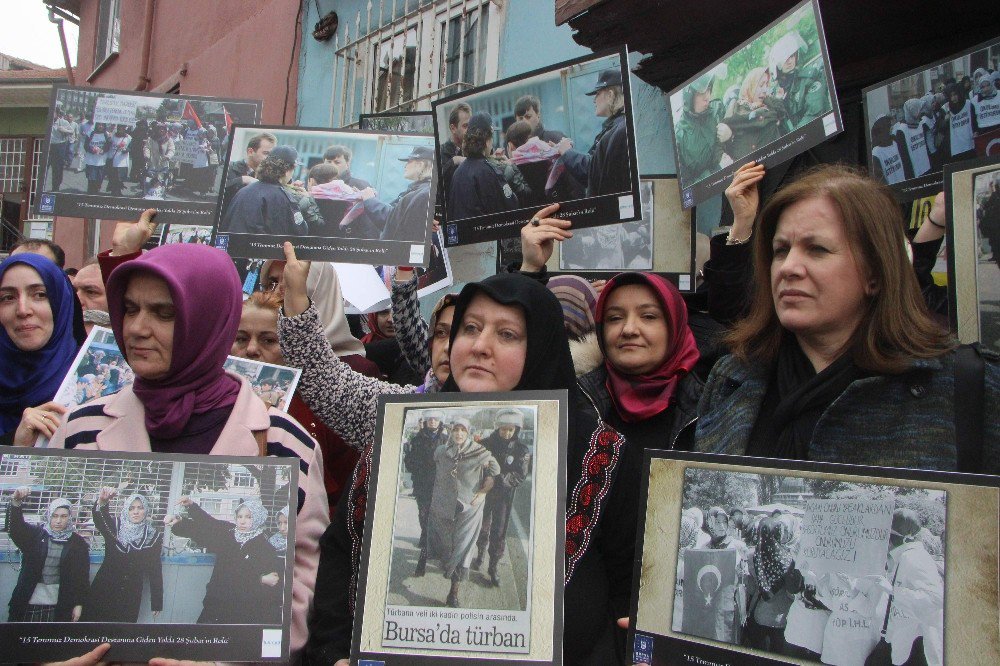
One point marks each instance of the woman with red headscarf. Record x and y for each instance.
(644, 389)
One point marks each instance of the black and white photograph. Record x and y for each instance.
(664, 241)
(347, 196)
(464, 497)
(187, 233)
(972, 192)
(563, 134)
(160, 555)
(945, 112)
(113, 154)
(811, 563)
(412, 122)
(766, 101)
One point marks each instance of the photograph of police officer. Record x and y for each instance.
(347, 185)
(945, 112)
(557, 136)
(774, 85)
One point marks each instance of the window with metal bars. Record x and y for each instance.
(429, 49)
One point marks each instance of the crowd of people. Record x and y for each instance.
(810, 339)
(534, 165)
(939, 127)
(261, 196)
(139, 160)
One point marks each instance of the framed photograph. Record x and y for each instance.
(762, 561)
(926, 118)
(161, 555)
(470, 493)
(972, 190)
(187, 233)
(112, 154)
(560, 134)
(351, 196)
(663, 241)
(768, 100)
(410, 122)
(100, 369)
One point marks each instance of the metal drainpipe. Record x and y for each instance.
(147, 39)
(65, 48)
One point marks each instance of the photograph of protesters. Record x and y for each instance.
(245, 583)
(775, 84)
(478, 186)
(952, 103)
(451, 150)
(514, 458)
(406, 217)
(465, 473)
(614, 247)
(987, 214)
(118, 160)
(132, 549)
(267, 206)
(96, 147)
(242, 172)
(60, 135)
(55, 563)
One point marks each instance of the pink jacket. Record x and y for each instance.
(116, 423)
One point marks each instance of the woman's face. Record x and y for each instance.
(148, 326)
(700, 102)
(440, 342)
(817, 285)
(636, 337)
(760, 90)
(136, 512)
(459, 434)
(384, 319)
(257, 337)
(602, 103)
(283, 524)
(25, 311)
(60, 519)
(490, 346)
(244, 519)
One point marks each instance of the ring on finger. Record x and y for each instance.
(535, 221)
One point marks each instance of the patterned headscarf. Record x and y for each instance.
(62, 535)
(776, 550)
(690, 526)
(259, 516)
(135, 535)
(279, 540)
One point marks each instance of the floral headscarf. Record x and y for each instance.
(279, 540)
(62, 535)
(259, 516)
(135, 535)
(776, 550)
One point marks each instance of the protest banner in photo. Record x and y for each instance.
(348, 196)
(112, 154)
(478, 585)
(944, 112)
(163, 555)
(663, 241)
(563, 134)
(972, 191)
(766, 101)
(100, 370)
(186, 233)
(782, 561)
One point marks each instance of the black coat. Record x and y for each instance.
(74, 566)
(512, 473)
(263, 208)
(407, 217)
(605, 167)
(116, 593)
(419, 460)
(479, 188)
(234, 593)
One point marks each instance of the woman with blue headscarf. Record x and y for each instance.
(38, 341)
(132, 547)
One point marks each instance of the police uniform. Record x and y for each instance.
(806, 96)
(406, 218)
(264, 208)
(478, 188)
(604, 168)
(419, 461)
(698, 149)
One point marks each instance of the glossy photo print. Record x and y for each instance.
(113, 154)
(349, 196)
(563, 134)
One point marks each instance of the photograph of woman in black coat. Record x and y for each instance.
(55, 563)
(245, 583)
(132, 548)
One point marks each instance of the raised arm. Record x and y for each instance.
(411, 329)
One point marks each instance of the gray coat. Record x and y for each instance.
(905, 420)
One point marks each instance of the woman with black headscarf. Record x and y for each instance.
(132, 546)
(509, 335)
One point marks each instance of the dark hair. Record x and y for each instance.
(255, 140)
(475, 142)
(895, 326)
(453, 116)
(519, 133)
(323, 173)
(333, 152)
(33, 244)
(272, 169)
(526, 102)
